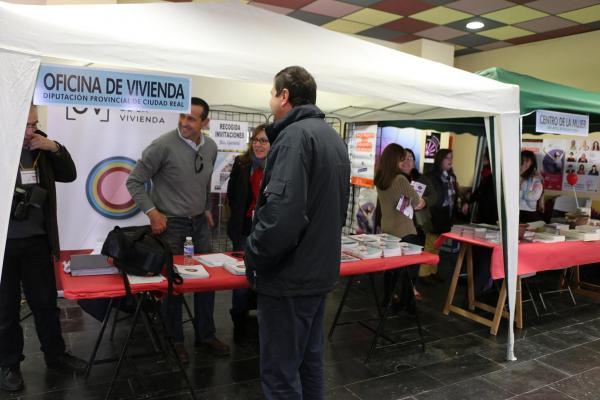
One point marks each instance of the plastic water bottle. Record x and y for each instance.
(188, 251)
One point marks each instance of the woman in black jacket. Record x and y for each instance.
(242, 193)
(441, 196)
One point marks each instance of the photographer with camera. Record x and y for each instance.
(31, 245)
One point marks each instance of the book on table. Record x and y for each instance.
(215, 260)
(196, 271)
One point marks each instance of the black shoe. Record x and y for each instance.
(67, 361)
(11, 379)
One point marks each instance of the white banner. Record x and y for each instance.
(362, 149)
(229, 135)
(105, 144)
(561, 123)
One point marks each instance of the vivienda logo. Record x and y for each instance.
(106, 191)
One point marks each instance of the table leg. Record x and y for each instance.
(470, 284)
(136, 316)
(171, 346)
(454, 281)
(381, 324)
(519, 305)
(499, 309)
(375, 296)
(92, 359)
(339, 310)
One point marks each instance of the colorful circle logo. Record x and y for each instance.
(106, 191)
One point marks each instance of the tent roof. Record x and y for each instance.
(538, 94)
(535, 94)
(241, 46)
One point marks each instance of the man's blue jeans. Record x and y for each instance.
(204, 303)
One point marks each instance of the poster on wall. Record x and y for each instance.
(222, 170)
(552, 164)
(105, 145)
(409, 138)
(583, 161)
(364, 217)
(433, 143)
(229, 135)
(362, 149)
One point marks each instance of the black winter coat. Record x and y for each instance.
(54, 167)
(239, 197)
(294, 248)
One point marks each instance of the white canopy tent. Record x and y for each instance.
(232, 49)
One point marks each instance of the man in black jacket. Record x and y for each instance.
(31, 243)
(293, 253)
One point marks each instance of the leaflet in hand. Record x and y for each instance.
(404, 207)
(419, 187)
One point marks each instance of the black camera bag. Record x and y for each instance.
(137, 251)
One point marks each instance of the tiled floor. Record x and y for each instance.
(558, 357)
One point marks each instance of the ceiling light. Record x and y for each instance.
(474, 25)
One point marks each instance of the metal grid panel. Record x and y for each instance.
(219, 241)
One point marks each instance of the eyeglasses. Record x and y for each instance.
(261, 140)
(33, 126)
(198, 163)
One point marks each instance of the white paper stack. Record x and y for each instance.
(215, 260)
(411, 249)
(588, 228)
(238, 267)
(366, 251)
(386, 237)
(348, 243)
(391, 249)
(136, 280)
(348, 258)
(364, 238)
(191, 271)
(575, 234)
(545, 237)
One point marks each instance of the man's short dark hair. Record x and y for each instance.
(299, 83)
(197, 101)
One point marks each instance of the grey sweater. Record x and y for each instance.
(177, 190)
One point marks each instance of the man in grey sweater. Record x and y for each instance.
(180, 164)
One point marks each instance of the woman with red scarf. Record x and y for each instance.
(242, 193)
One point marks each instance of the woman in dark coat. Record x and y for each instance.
(242, 193)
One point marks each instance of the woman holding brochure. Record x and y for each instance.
(242, 192)
(398, 201)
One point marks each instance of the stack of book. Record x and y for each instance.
(556, 228)
(588, 228)
(576, 234)
(235, 267)
(348, 258)
(546, 237)
(410, 249)
(365, 251)
(91, 264)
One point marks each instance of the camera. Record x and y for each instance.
(23, 198)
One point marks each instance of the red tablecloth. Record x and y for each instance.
(384, 264)
(100, 286)
(220, 279)
(89, 287)
(537, 257)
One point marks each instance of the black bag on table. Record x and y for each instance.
(137, 251)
